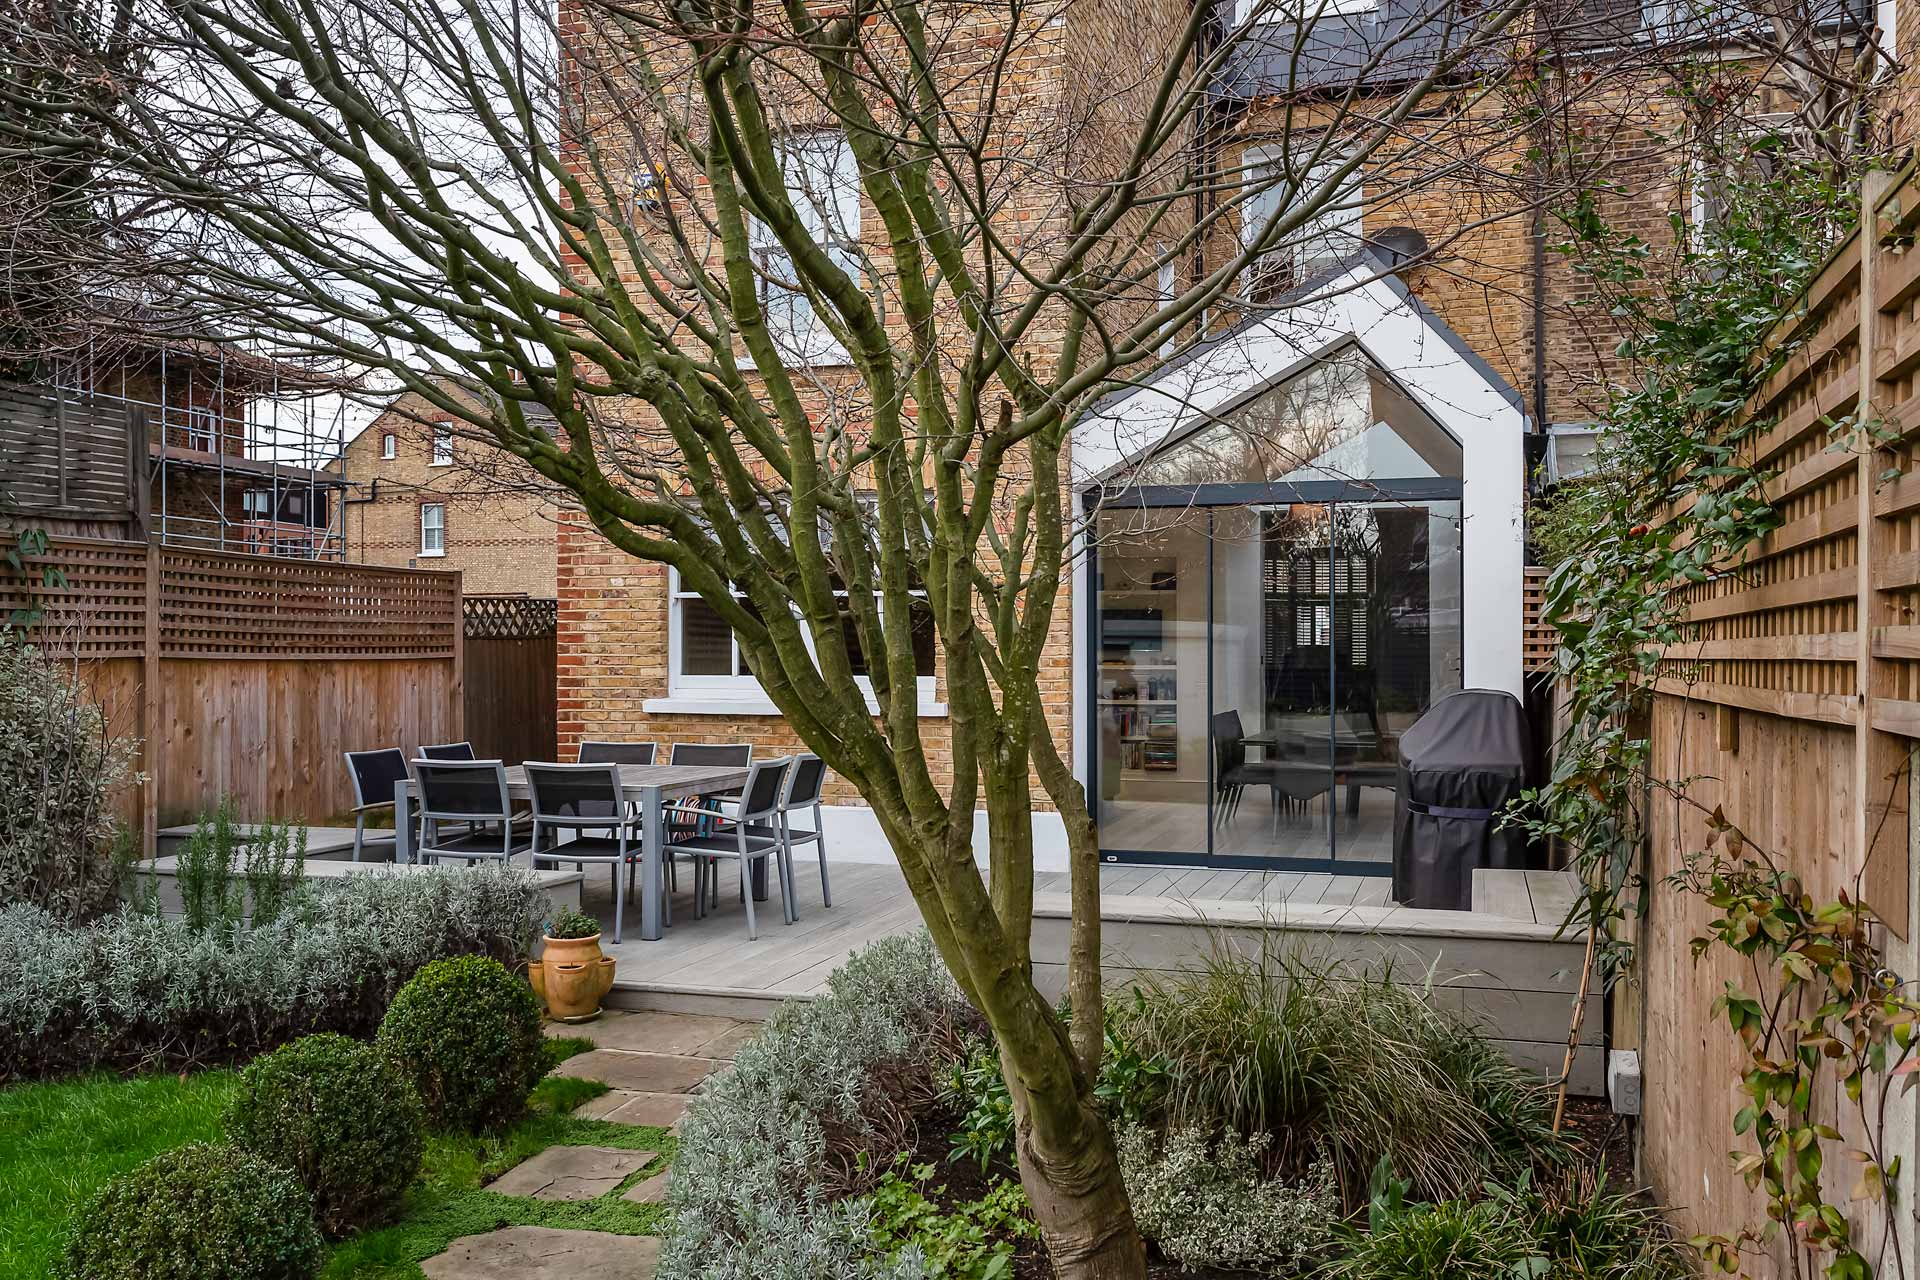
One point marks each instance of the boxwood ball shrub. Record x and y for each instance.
(467, 1034)
(198, 1212)
(341, 1118)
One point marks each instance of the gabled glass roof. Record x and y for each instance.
(1341, 418)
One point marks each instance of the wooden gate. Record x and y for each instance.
(510, 667)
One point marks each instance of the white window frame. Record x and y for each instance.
(741, 692)
(832, 217)
(1705, 197)
(389, 445)
(442, 445)
(203, 428)
(440, 528)
(1296, 11)
(1164, 288)
(1335, 233)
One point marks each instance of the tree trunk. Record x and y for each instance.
(1080, 1201)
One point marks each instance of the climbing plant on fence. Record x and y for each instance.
(1676, 501)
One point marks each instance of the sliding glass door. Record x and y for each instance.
(1274, 606)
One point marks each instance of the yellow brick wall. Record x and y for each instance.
(499, 535)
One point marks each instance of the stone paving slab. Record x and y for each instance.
(544, 1253)
(645, 1072)
(728, 1042)
(630, 1106)
(648, 1190)
(571, 1173)
(649, 1032)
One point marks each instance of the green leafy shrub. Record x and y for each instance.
(973, 1240)
(60, 764)
(467, 1034)
(1130, 1086)
(1340, 1063)
(135, 992)
(1526, 1232)
(978, 1090)
(1207, 1204)
(198, 1212)
(571, 923)
(338, 1115)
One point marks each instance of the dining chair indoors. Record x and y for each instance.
(586, 800)
(753, 835)
(465, 791)
(374, 774)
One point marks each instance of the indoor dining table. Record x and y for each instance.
(647, 786)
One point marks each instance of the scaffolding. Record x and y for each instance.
(242, 453)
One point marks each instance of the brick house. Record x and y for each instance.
(420, 497)
(221, 449)
(1312, 522)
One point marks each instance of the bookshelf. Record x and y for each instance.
(1139, 689)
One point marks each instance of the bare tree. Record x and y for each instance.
(808, 298)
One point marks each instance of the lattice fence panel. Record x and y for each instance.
(510, 617)
(100, 611)
(1538, 638)
(216, 604)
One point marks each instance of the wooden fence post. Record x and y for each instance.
(1880, 836)
(458, 696)
(150, 708)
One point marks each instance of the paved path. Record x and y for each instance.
(653, 1061)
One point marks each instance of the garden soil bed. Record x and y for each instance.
(1596, 1131)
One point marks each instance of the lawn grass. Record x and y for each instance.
(449, 1201)
(61, 1142)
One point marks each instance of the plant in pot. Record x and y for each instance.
(571, 975)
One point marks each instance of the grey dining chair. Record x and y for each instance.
(585, 799)
(465, 791)
(374, 774)
(448, 751)
(753, 835)
(615, 752)
(805, 781)
(694, 816)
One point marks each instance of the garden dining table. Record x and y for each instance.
(648, 786)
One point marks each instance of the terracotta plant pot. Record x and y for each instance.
(572, 976)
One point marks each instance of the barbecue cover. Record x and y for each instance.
(1460, 764)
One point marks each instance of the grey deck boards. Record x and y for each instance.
(871, 902)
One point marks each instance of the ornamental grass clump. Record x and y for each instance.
(1576, 1227)
(467, 1034)
(198, 1212)
(341, 1118)
(1339, 1063)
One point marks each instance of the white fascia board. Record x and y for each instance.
(1360, 305)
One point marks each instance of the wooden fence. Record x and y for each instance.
(512, 655)
(246, 675)
(1795, 700)
(71, 457)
